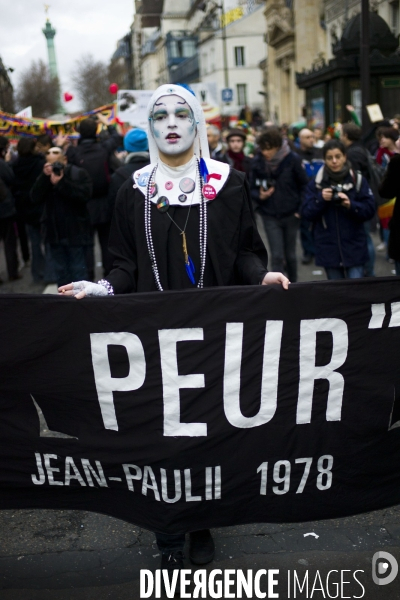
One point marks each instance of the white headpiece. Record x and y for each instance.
(200, 143)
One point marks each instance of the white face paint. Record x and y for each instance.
(173, 125)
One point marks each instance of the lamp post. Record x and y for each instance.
(221, 7)
(364, 59)
(224, 49)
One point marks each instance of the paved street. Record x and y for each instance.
(75, 555)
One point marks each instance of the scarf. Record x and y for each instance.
(283, 151)
(339, 176)
(237, 159)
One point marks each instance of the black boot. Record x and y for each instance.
(202, 548)
(173, 561)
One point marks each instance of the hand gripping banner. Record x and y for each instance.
(179, 411)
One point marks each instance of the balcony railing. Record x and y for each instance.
(187, 71)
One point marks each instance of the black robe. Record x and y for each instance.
(236, 254)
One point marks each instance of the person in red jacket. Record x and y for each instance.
(388, 137)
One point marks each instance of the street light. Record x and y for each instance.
(364, 59)
(221, 7)
(224, 50)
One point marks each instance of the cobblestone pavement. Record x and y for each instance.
(76, 555)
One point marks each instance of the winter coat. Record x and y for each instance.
(357, 156)
(65, 218)
(311, 160)
(94, 156)
(26, 170)
(339, 234)
(219, 154)
(289, 181)
(245, 166)
(135, 161)
(390, 188)
(7, 205)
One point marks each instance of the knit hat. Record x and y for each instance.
(136, 141)
(201, 143)
(237, 133)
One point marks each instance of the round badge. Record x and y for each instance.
(209, 192)
(187, 185)
(169, 185)
(182, 198)
(143, 179)
(163, 204)
(153, 190)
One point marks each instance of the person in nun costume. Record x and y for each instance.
(184, 221)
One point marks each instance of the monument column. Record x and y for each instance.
(49, 34)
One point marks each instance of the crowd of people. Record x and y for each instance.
(149, 199)
(335, 188)
(330, 189)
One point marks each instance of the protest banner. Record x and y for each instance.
(16, 126)
(132, 107)
(184, 410)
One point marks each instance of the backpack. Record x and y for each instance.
(376, 173)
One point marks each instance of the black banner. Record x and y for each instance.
(184, 410)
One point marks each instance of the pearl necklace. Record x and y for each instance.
(202, 229)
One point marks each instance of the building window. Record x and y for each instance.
(241, 89)
(394, 17)
(182, 48)
(239, 56)
(188, 48)
(357, 103)
(174, 49)
(205, 64)
(212, 60)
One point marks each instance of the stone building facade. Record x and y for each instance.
(300, 36)
(180, 41)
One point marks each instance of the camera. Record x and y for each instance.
(265, 183)
(58, 168)
(336, 189)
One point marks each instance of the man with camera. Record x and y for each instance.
(277, 181)
(338, 202)
(65, 190)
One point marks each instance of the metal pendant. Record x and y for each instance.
(187, 185)
(163, 204)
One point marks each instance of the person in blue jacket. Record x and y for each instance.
(338, 201)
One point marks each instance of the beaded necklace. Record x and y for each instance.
(202, 230)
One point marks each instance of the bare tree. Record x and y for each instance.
(6, 89)
(91, 82)
(117, 73)
(37, 88)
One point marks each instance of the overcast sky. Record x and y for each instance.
(82, 26)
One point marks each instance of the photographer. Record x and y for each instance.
(65, 190)
(338, 202)
(277, 182)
